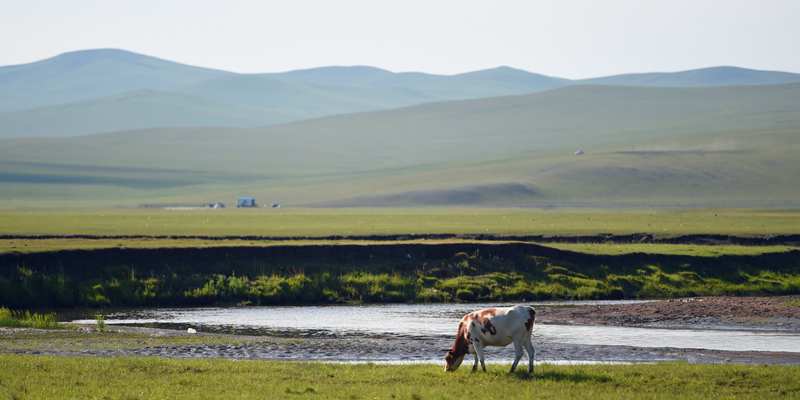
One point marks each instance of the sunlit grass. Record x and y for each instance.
(674, 249)
(44, 377)
(324, 222)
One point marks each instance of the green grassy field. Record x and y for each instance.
(42, 245)
(42, 377)
(674, 249)
(354, 221)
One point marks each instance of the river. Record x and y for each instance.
(421, 332)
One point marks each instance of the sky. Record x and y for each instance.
(567, 38)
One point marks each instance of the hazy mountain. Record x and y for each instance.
(97, 91)
(669, 146)
(64, 95)
(89, 74)
(714, 76)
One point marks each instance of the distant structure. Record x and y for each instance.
(579, 152)
(217, 204)
(246, 202)
(276, 205)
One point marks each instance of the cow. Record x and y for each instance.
(493, 327)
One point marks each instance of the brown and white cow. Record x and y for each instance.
(493, 327)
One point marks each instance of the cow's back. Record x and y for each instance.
(507, 323)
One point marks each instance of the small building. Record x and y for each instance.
(216, 204)
(276, 205)
(579, 152)
(246, 202)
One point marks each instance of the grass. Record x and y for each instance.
(43, 245)
(27, 319)
(46, 377)
(324, 222)
(673, 249)
(677, 147)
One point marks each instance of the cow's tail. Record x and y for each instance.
(531, 318)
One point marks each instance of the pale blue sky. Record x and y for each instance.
(566, 38)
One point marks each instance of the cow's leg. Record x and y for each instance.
(475, 364)
(531, 353)
(479, 353)
(518, 354)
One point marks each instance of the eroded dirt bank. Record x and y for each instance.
(377, 273)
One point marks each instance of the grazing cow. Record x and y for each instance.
(493, 327)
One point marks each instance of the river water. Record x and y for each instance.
(421, 332)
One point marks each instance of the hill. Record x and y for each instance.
(77, 93)
(644, 146)
(713, 76)
(67, 95)
(90, 74)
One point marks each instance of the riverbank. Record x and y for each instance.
(377, 273)
(778, 313)
(124, 341)
(602, 332)
(43, 377)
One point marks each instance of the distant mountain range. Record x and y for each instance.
(106, 90)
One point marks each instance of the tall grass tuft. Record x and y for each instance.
(27, 319)
(101, 322)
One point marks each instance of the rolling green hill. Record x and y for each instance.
(734, 146)
(105, 90)
(135, 110)
(96, 91)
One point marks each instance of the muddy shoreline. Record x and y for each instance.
(779, 313)
(405, 350)
(763, 314)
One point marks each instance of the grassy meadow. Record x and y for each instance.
(397, 221)
(699, 250)
(47, 377)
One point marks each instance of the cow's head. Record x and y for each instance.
(452, 361)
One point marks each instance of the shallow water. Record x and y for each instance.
(437, 322)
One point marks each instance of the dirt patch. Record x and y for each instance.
(780, 313)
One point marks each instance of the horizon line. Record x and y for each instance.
(310, 68)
